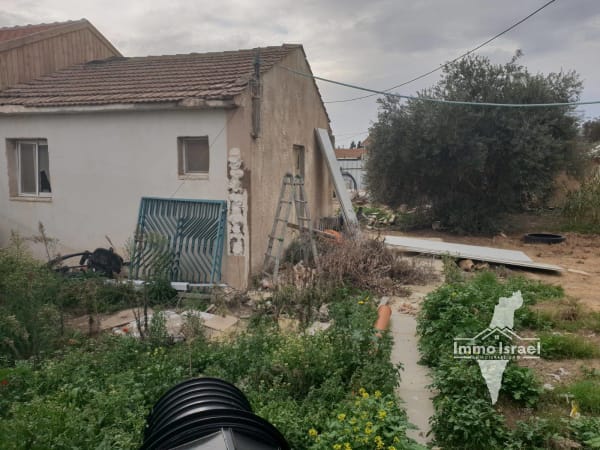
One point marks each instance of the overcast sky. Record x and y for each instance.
(376, 44)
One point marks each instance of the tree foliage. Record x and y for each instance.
(473, 163)
(591, 130)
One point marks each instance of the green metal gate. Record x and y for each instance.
(180, 238)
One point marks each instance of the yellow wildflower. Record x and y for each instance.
(379, 442)
(312, 432)
(341, 417)
(365, 395)
(347, 446)
(377, 394)
(337, 447)
(382, 414)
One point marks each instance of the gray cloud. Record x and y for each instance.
(376, 43)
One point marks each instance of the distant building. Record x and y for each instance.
(352, 162)
(31, 51)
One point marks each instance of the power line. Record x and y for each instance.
(347, 138)
(351, 134)
(454, 60)
(439, 100)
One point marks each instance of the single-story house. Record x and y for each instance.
(80, 147)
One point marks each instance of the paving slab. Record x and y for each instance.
(414, 378)
(220, 323)
(119, 318)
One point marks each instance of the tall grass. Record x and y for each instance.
(582, 207)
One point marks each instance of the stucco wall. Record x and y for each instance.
(101, 164)
(290, 111)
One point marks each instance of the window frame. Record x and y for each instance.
(299, 155)
(36, 143)
(183, 171)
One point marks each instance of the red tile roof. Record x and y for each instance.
(11, 33)
(350, 153)
(118, 80)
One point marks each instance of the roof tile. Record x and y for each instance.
(350, 153)
(170, 78)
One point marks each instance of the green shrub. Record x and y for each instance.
(30, 317)
(90, 293)
(96, 394)
(534, 434)
(585, 392)
(366, 421)
(464, 416)
(563, 346)
(464, 308)
(521, 385)
(160, 291)
(467, 423)
(586, 430)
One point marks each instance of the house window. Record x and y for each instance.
(194, 156)
(30, 168)
(299, 160)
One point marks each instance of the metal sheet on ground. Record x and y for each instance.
(336, 174)
(476, 252)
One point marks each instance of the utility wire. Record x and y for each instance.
(454, 60)
(439, 100)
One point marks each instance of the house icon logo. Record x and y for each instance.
(493, 347)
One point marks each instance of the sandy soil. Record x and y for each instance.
(560, 372)
(578, 252)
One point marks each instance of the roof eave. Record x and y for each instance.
(183, 105)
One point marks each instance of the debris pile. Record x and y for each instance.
(370, 265)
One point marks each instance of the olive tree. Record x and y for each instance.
(470, 164)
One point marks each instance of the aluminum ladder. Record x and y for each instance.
(292, 193)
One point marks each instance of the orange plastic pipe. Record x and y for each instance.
(336, 235)
(384, 313)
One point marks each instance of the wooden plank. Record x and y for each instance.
(338, 182)
(476, 252)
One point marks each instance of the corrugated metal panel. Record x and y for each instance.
(188, 234)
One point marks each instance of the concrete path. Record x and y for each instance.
(414, 377)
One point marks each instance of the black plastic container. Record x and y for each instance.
(208, 413)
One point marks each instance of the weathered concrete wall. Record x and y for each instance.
(101, 165)
(290, 111)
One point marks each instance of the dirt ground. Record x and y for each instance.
(578, 252)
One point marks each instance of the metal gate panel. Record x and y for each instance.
(185, 235)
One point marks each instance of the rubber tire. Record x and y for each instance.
(543, 238)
